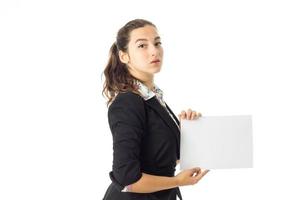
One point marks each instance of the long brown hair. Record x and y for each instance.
(117, 77)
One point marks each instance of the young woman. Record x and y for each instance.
(145, 131)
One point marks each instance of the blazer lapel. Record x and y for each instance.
(178, 122)
(155, 105)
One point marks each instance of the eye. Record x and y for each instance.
(157, 43)
(141, 46)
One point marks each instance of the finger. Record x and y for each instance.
(199, 115)
(182, 115)
(195, 171)
(200, 175)
(194, 115)
(205, 172)
(189, 114)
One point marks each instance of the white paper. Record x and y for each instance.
(216, 142)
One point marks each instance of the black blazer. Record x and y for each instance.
(145, 139)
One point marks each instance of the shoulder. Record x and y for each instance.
(127, 107)
(127, 99)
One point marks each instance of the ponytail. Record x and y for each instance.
(117, 77)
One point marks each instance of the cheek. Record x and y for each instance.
(136, 56)
(161, 52)
(142, 57)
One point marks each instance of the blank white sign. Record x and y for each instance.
(216, 142)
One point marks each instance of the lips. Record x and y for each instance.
(155, 61)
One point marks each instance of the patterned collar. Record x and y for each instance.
(146, 93)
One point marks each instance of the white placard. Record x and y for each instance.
(217, 142)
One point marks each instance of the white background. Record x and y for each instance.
(221, 58)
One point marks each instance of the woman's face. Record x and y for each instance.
(145, 54)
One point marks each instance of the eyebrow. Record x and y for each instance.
(142, 39)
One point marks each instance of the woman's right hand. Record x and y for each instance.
(190, 176)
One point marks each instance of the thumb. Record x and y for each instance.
(196, 171)
(200, 175)
(179, 117)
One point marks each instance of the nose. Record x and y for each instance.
(154, 50)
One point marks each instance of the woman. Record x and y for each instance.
(146, 133)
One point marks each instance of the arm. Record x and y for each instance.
(150, 183)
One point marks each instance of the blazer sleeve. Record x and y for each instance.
(126, 116)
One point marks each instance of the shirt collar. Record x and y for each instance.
(146, 93)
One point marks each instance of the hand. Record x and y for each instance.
(189, 115)
(190, 176)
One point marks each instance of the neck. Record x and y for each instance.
(149, 84)
(148, 79)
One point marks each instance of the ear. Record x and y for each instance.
(124, 57)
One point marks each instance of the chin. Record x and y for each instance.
(157, 70)
(153, 69)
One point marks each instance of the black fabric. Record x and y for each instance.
(145, 139)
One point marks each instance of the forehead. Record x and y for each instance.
(147, 32)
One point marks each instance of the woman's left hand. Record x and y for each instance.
(189, 115)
